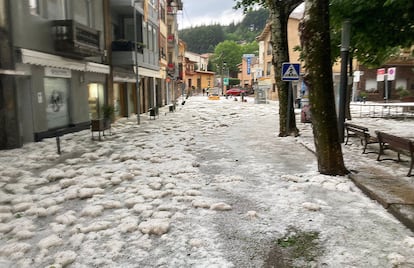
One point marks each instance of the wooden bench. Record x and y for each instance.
(397, 144)
(362, 133)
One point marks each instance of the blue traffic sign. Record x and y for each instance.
(290, 71)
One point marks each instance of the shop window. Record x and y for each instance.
(96, 100)
(57, 95)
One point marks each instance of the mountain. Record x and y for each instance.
(203, 39)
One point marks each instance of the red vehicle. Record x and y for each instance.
(235, 91)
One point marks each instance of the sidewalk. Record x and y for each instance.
(383, 181)
(397, 196)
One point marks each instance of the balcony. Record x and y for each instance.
(126, 45)
(123, 52)
(75, 40)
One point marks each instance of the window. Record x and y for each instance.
(269, 48)
(56, 9)
(34, 7)
(82, 11)
(268, 68)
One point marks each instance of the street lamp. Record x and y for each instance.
(136, 63)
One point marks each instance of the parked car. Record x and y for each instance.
(235, 91)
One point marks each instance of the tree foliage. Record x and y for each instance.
(202, 39)
(378, 27)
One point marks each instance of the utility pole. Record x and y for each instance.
(345, 40)
(136, 65)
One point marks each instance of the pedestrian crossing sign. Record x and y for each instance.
(290, 71)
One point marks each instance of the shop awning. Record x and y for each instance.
(43, 59)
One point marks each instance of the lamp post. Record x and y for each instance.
(136, 64)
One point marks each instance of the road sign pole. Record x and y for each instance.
(289, 103)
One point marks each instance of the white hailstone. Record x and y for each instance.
(128, 224)
(20, 199)
(127, 176)
(47, 202)
(251, 214)
(50, 241)
(65, 258)
(5, 209)
(6, 227)
(24, 234)
(71, 193)
(311, 206)
(195, 243)
(200, 204)
(409, 241)
(90, 156)
(192, 193)
(12, 248)
(170, 186)
(146, 214)
(111, 204)
(220, 206)
(89, 192)
(53, 210)
(76, 240)
(21, 207)
(4, 217)
(115, 157)
(154, 226)
(57, 227)
(16, 188)
(116, 180)
(53, 174)
(34, 180)
(344, 187)
(36, 211)
(92, 211)
(96, 226)
(129, 203)
(162, 214)
(139, 208)
(47, 190)
(68, 218)
(155, 185)
(396, 259)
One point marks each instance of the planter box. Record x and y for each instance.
(100, 125)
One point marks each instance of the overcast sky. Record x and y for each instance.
(196, 13)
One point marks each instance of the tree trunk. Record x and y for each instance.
(315, 40)
(279, 15)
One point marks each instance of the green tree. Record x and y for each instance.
(203, 39)
(378, 27)
(228, 52)
(315, 39)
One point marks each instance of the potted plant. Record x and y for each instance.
(108, 112)
(402, 92)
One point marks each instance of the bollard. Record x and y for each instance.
(58, 143)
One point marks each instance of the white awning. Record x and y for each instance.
(148, 72)
(49, 60)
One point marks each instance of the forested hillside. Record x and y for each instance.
(203, 39)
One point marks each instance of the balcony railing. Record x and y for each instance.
(75, 40)
(126, 45)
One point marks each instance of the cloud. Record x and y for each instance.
(196, 13)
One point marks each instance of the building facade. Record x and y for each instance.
(56, 63)
(61, 61)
